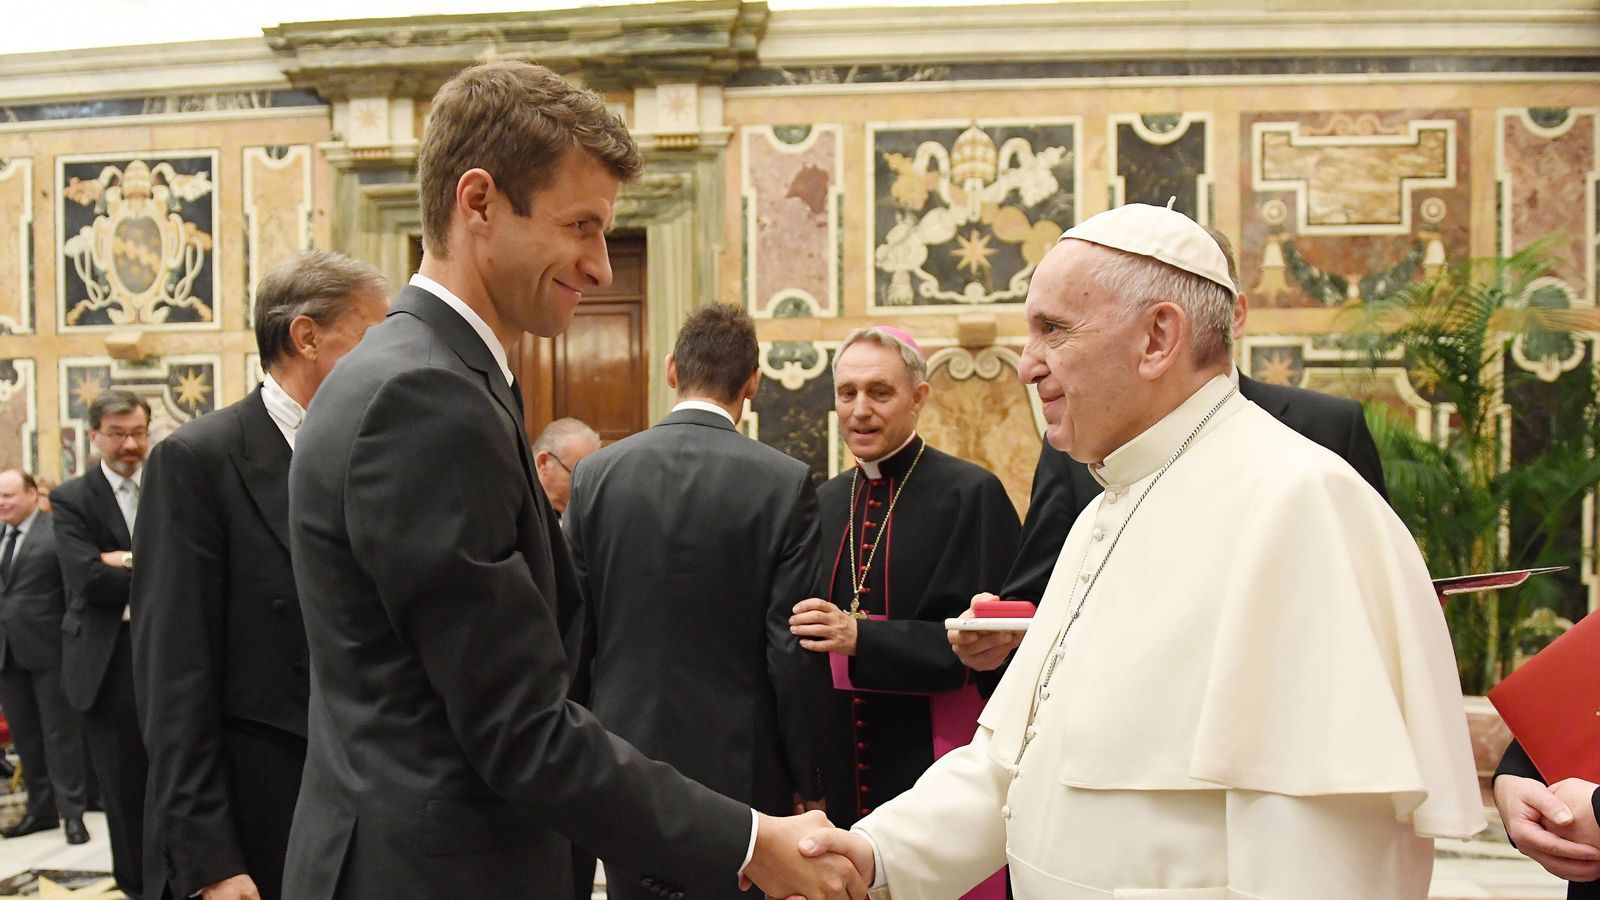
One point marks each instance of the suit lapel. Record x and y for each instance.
(466, 343)
(263, 464)
(110, 510)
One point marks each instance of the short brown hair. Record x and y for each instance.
(320, 284)
(716, 352)
(115, 402)
(514, 120)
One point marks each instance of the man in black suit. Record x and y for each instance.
(692, 542)
(1556, 826)
(1063, 487)
(219, 651)
(94, 526)
(46, 733)
(443, 756)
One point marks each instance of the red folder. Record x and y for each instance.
(1486, 581)
(1551, 703)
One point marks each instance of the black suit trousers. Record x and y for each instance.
(112, 726)
(264, 765)
(49, 740)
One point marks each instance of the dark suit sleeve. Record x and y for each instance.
(1054, 504)
(914, 655)
(800, 679)
(578, 628)
(177, 647)
(1516, 762)
(450, 571)
(82, 571)
(1363, 453)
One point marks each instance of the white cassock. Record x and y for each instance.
(1259, 699)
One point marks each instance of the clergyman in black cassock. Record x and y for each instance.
(953, 530)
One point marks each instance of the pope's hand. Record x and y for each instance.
(848, 844)
(1533, 816)
(983, 651)
(779, 870)
(823, 627)
(1578, 795)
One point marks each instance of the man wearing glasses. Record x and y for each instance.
(556, 452)
(94, 525)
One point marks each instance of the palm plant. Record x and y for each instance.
(1471, 504)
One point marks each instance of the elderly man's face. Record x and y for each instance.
(1082, 356)
(555, 470)
(875, 399)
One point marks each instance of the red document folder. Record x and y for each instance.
(1487, 581)
(1552, 704)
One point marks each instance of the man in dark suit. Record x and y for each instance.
(94, 526)
(688, 516)
(219, 651)
(443, 756)
(1063, 487)
(1556, 826)
(46, 733)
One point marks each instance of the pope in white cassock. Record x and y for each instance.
(1239, 683)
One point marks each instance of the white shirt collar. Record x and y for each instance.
(117, 480)
(473, 319)
(23, 529)
(705, 406)
(870, 467)
(284, 411)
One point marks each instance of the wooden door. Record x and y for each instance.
(596, 371)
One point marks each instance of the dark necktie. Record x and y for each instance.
(6, 554)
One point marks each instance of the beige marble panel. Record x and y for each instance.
(979, 411)
(16, 263)
(277, 210)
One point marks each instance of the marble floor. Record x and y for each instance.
(1465, 871)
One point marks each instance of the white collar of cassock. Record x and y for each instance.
(869, 467)
(1142, 456)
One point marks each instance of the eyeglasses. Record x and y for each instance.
(560, 463)
(118, 437)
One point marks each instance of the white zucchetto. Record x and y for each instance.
(1161, 234)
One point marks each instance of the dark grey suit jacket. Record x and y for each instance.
(444, 759)
(218, 644)
(693, 544)
(32, 601)
(89, 522)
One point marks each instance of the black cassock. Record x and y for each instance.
(953, 534)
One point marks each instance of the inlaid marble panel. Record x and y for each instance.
(178, 388)
(19, 415)
(136, 238)
(962, 212)
(1159, 158)
(1548, 164)
(793, 408)
(792, 208)
(980, 411)
(16, 245)
(1345, 206)
(277, 211)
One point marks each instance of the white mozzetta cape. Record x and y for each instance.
(1259, 699)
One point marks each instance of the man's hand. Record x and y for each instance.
(1533, 815)
(823, 627)
(779, 870)
(848, 844)
(239, 887)
(113, 557)
(1578, 795)
(983, 651)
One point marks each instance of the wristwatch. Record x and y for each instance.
(127, 560)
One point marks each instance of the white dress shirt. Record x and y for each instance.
(127, 501)
(284, 411)
(705, 406)
(472, 317)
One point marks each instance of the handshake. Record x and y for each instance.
(1554, 826)
(806, 857)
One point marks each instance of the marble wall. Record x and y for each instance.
(951, 183)
(131, 235)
